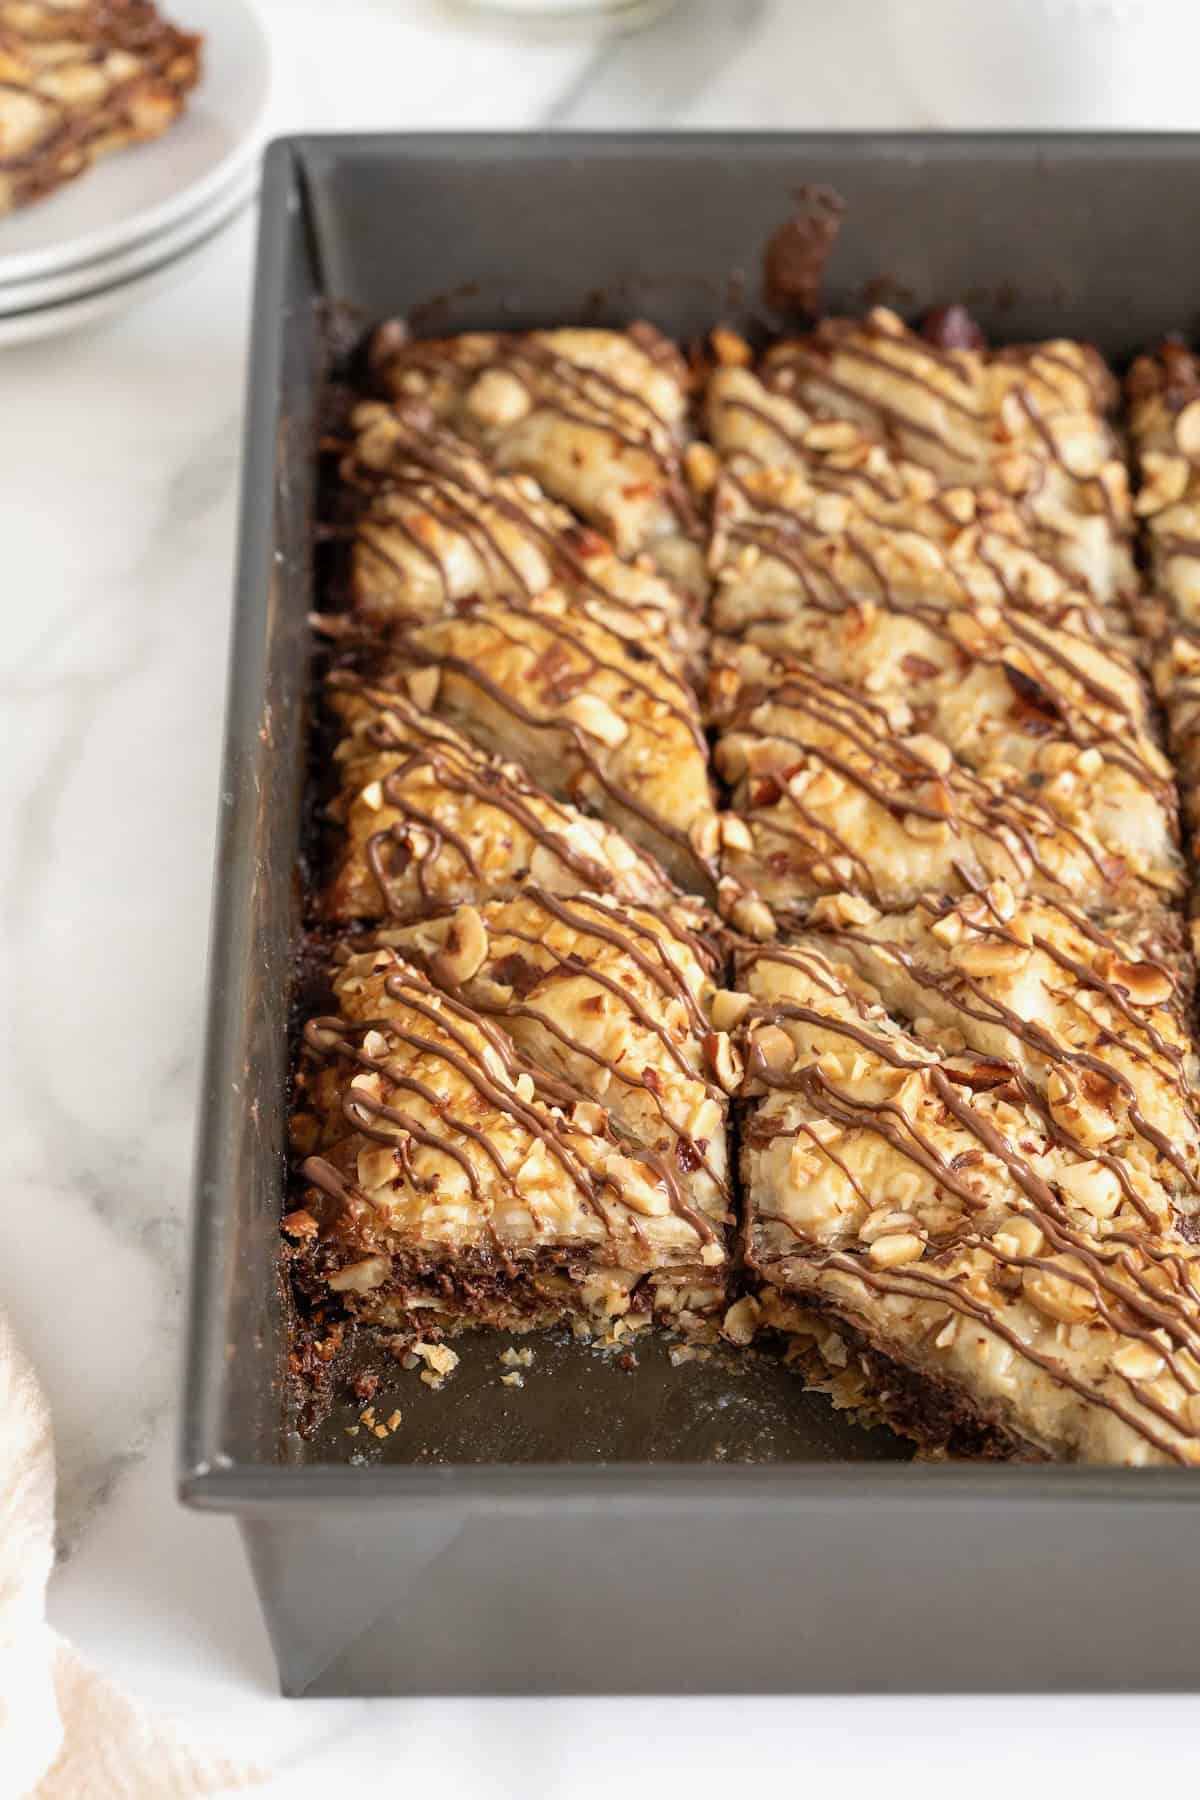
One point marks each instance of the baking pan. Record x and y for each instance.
(708, 1528)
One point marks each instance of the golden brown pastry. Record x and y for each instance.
(1006, 1283)
(80, 78)
(449, 1180)
(424, 819)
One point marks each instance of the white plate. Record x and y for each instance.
(107, 271)
(52, 321)
(130, 195)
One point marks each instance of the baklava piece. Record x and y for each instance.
(1091, 1018)
(439, 530)
(603, 722)
(1008, 1280)
(617, 1000)
(448, 1180)
(1039, 702)
(425, 820)
(598, 418)
(833, 790)
(80, 78)
(1027, 426)
(784, 538)
(1164, 420)
(1164, 417)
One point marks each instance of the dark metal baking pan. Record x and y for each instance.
(612, 1529)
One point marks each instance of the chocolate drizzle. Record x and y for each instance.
(799, 720)
(575, 392)
(830, 758)
(1142, 1296)
(657, 1077)
(429, 1038)
(428, 773)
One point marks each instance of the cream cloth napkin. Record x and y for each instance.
(65, 1732)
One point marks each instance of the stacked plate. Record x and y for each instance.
(131, 224)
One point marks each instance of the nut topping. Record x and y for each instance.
(463, 949)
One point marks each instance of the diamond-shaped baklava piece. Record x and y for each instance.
(1012, 692)
(835, 790)
(1094, 1015)
(1028, 423)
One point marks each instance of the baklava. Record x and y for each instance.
(80, 78)
(448, 1178)
(751, 886)
(1164, 419)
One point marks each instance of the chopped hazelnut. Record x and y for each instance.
(702, 468)
(989, 956)
(772, 1046)
(728, 1008)
(1146, 983)
(741, 1320)
(1058, 1297)
(1138, 1362)
(597, 719)
(730, 348)
(498, 399)
(463, 950)
(896, 1249)
(1187, 429)
(423, 685)
(735, 833)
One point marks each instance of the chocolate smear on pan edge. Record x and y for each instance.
(798, 250)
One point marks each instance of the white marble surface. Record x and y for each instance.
(116, 530)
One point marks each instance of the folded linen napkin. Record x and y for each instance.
(65, 1732)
